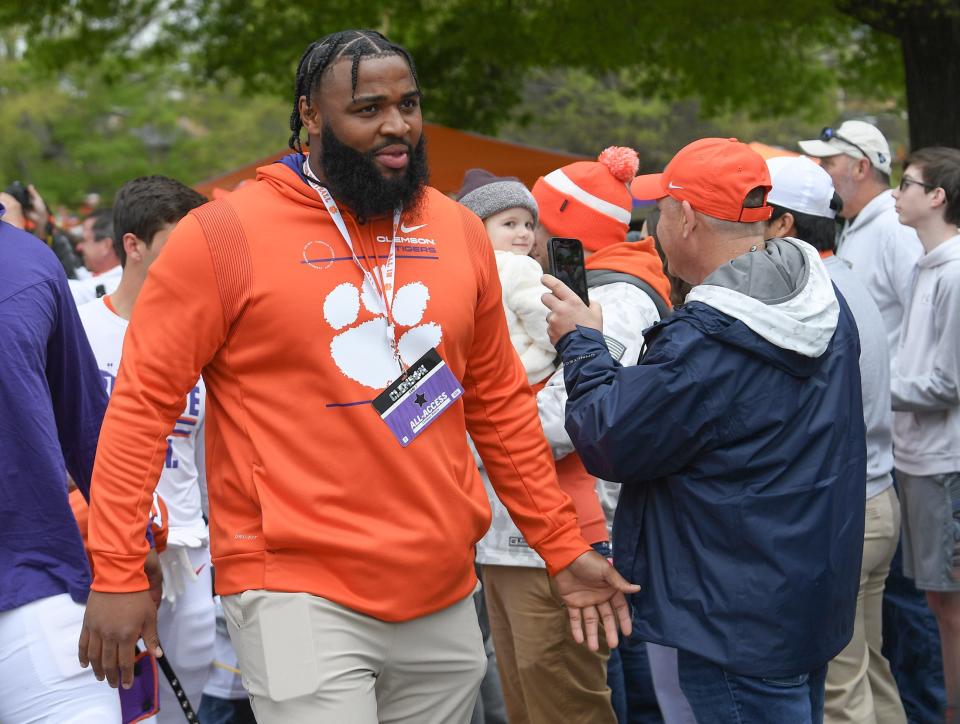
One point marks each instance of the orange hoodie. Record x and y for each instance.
(309, 490)
(639, 258)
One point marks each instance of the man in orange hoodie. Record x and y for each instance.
(347, 321)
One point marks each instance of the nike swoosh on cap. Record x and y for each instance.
(409, 229)
(672, 185)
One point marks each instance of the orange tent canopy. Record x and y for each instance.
(451, 153)
(770, 151)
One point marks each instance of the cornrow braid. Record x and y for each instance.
(323, 53)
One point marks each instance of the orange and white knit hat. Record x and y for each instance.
(590, 200)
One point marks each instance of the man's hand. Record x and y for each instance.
(567, 310)
(111, 626)
(593, 591)
(38, 212)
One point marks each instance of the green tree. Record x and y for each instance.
(579, 112)
(764, 57)
(92, 130)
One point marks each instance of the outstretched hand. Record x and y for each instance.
(593, 591)
(567, 310)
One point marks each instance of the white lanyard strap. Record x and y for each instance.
(388, 271)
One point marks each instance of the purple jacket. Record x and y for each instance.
(52, 402)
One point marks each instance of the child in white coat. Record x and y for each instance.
(509, 213)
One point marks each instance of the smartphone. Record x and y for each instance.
(566, 264)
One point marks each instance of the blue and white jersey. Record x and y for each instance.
(184, 470)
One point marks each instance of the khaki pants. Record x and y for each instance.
(547, 677)
(307, 659)
(860, 687)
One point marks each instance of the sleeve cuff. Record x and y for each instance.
(118, 574)
(581, 340)
(562, 547)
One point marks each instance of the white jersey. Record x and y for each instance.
(86, 288)
(183, 470)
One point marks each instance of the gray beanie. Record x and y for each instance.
(485, 194)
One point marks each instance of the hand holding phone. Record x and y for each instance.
(566, 264)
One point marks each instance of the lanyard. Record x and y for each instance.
(383, 290)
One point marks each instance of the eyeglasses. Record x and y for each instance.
(906, 181)
(828, 133)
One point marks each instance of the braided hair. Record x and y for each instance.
(323, 53)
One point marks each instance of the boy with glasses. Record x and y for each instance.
(925, 389)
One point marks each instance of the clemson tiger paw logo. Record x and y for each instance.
(361, 351)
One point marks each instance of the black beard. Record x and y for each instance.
(355, 180)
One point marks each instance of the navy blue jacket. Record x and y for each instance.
(743, 469)
(52, 401)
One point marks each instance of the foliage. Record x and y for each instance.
(95, 91)
(82, 131)
(766, 57)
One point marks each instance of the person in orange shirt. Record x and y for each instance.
(347, 321)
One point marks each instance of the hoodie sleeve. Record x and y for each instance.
(502, 420)
(180, 321)
(939, 389)
(634, 424)
(76, 387)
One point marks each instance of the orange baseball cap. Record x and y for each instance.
(714, 175)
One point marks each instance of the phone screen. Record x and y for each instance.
(566, 264)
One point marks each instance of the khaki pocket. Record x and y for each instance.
(286, 640)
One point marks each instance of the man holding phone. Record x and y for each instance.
(739, 441)
(589, 203)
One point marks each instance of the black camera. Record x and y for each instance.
(18, 191)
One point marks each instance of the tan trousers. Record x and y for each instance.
(547, 677)
(306, 659)
(860, 687)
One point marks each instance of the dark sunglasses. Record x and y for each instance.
(828, 133)
(906, 181)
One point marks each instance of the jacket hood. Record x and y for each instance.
(783, 293)
(947, 251)
(637, 258)
(286, 176)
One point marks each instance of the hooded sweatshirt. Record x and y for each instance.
(926, 373)
(309, 490)
(739, 441)
(874, 374)
(882, 253)
(637, 258)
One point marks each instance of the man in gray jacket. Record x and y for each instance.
(883, 253)
(926, 399)
(859, 686)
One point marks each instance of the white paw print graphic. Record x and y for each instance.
(362, 352)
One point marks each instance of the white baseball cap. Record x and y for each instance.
(854, 138)
(801, 185)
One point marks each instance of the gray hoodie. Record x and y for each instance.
(925, 383)
(874, 374)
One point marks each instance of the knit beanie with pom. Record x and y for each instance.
(590, 200)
